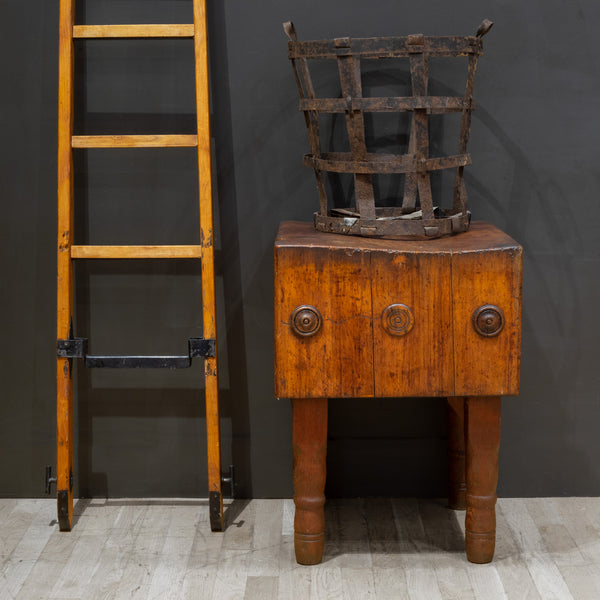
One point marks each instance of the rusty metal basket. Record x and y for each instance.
(416, 217)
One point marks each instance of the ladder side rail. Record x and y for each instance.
(207, 261)
(64, 296)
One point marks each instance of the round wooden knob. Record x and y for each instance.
(488, 320)
(306, 321)
(397, 319)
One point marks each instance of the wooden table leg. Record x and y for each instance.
(482, 434)
(457, 487)
(309, 431)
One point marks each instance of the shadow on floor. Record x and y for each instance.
(232, 508)
(391, 526)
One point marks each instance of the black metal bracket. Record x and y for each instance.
(62, 502)
(71, 348)
(201, 348)
(230, 481)
(49, 479)
(74, 347)
(215, 501)
(215, 511)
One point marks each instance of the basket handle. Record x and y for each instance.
(485, 26)
(290, 31)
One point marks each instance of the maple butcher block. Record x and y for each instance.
(363, 317)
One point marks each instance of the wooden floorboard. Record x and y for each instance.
(544, 571)
(383, 549)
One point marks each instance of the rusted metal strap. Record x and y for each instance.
(343, 162)
(460, 191)
(389, 47)
(419, 73)
(432, 104)
(409, 199)
(350, 81)
(311, 117)
(447, 223)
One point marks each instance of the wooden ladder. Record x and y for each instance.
(69, 347)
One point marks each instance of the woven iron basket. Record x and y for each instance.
(417, 216)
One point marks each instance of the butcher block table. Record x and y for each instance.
(362, 318)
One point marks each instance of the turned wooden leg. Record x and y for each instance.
(457, 487)
(482, 434)
(309, 436)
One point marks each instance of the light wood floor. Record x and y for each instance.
(384, 549)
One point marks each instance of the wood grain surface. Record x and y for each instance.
(135, 251)
(134, 141)
(487, 365)
(421, 362)
(309, 439)
(351, 281)
(64, 279)
(482, 442)
(338, 359)
(207, 244)
(133, 31)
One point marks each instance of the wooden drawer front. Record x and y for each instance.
(420, 361)
(487, 365)
(337, 361)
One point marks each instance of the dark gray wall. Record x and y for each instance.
(535, 173)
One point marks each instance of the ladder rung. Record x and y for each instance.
(136, 251)
(134, 141)
(133, 31)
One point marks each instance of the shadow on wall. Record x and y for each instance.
(528, 212)
(230, 258)
(140, 432)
